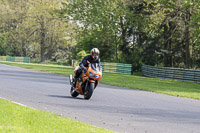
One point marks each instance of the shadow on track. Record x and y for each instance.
(69, 97)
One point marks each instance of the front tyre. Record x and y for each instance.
(73, 92)
(88, 92)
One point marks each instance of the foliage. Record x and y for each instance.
(3, 46)
(33, 30)
(138, 31)
(81, 55)
(98, 23)
(154, 32)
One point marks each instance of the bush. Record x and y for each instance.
(81, 55)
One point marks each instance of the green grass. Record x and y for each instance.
(170, 87)
(57, 69)
(20, 119)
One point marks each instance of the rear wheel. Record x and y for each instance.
(88, 91)
(73, 92)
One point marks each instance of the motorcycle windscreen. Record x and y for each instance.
(95, 66)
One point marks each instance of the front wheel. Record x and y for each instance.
(89, 90)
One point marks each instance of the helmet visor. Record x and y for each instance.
(95, 55)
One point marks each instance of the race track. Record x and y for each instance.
(114, 108)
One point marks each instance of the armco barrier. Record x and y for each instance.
(15, 59)
(116, 68)
(10, 58)
(27, 59)
(171, 73)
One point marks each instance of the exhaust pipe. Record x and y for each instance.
(70, 79)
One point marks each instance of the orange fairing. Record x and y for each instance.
(96, 75)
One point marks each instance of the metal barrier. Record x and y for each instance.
(116, 68)
(171, 73)
(15, 59)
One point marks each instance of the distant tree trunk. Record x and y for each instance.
(170, 56)
(23, 47)
(51, 48)
(168, 62)
(123, 36)
(165, 44)
(170, 59)
(187, 40)
(42, 43)
(43, 47)
(123, 46)
(116, 48)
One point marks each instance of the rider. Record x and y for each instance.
(92, 58)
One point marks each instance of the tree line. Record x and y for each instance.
(154, 32)
(30, 28)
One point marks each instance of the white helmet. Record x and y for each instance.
(95, 53)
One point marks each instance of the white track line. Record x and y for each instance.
(14, 102)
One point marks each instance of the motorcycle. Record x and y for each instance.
(87, 81)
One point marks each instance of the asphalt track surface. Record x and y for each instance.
(114, 108)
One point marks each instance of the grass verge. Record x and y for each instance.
(170, 87)
(20, 119)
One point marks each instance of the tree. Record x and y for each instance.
(181, 14)
(49, 28)
(81, 55)
(3, 47)
(99, 21)
(154, 32)
(32, 29)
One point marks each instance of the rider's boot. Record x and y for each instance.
(74, 81)
(76, 77)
